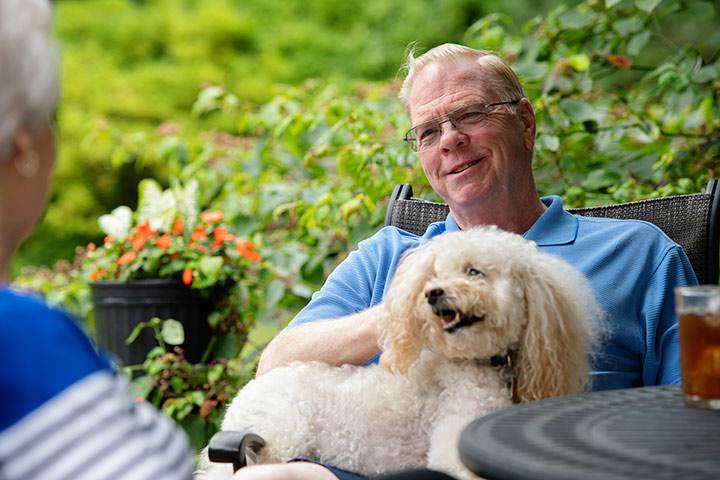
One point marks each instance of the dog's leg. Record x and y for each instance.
(444, 454)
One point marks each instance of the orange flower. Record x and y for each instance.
(144, 233)
(91, 246)
(195, 246)
(198, 234)
(178, 226)
(174, 256)
(163, 241)
(126, 258)
(246, 250)
(187, 276)
(97, 274)
(211, 217)
(221, 234)
(109, 239)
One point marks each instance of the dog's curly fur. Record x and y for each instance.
(434, 376)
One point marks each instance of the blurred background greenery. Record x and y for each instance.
(132, 66)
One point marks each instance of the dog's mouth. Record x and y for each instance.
(453, 321)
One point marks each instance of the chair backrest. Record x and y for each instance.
(693, 221)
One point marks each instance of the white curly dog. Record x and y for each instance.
(456, 305)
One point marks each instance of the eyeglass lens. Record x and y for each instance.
(426, 135)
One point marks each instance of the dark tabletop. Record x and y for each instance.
(618, 434)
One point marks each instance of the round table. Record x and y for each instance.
(618, 434)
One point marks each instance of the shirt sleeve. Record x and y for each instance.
(361, 280)
(66, 414)
(47, 351)
(662, 357)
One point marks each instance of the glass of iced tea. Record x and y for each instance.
(698, 310)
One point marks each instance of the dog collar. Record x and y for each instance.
(508, 371)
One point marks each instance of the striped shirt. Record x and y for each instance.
(65, 414)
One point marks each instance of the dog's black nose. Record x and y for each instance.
(432, 294)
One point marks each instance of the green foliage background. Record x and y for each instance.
(286, 114)
(129, 67)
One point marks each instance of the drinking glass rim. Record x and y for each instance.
(698, 290)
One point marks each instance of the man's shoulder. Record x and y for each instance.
(648, 231)
(389, 239)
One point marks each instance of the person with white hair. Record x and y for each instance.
(66, 414)
(474, 130)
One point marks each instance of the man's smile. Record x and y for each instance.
(465, 167)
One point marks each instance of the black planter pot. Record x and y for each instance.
(120, 306)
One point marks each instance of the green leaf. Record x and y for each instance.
(579, 62)
(638, 42)
(195, 429)
(215, 373)
(198, 397)
(141, 386)
(155, 367)
(210, 266)
(576, 20)
(177, 384)
(647, 6)
(701, 9)
(173, 332)
(600, 179)
(576, 110)
(274, 292)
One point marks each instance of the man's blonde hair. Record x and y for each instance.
(501, 78)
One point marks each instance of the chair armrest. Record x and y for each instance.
(231, 447)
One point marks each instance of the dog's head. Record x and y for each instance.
(483, 293)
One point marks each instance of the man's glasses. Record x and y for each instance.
(426, 135)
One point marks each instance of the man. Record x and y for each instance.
(474, 130)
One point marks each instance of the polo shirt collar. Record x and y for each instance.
(554, 227)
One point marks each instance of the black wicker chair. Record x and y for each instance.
(693, 221)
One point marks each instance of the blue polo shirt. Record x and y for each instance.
(631, 265)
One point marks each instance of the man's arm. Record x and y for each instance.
(347, 340)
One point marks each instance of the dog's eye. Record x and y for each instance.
(471, 271)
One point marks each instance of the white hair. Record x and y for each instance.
(499, 75)
(28, 67)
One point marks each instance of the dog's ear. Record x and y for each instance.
(402, 328)
(553, 358)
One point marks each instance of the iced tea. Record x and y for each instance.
(700, 358)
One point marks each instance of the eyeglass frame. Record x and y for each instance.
(413, 142)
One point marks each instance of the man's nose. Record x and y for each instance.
(450, 137)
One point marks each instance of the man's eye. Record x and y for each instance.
(472, 116)
(427, 132)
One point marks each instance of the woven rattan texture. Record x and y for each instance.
(415, 215)
(684, 218)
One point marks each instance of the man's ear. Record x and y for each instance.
(527, 115)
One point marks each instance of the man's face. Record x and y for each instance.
(468, 168)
